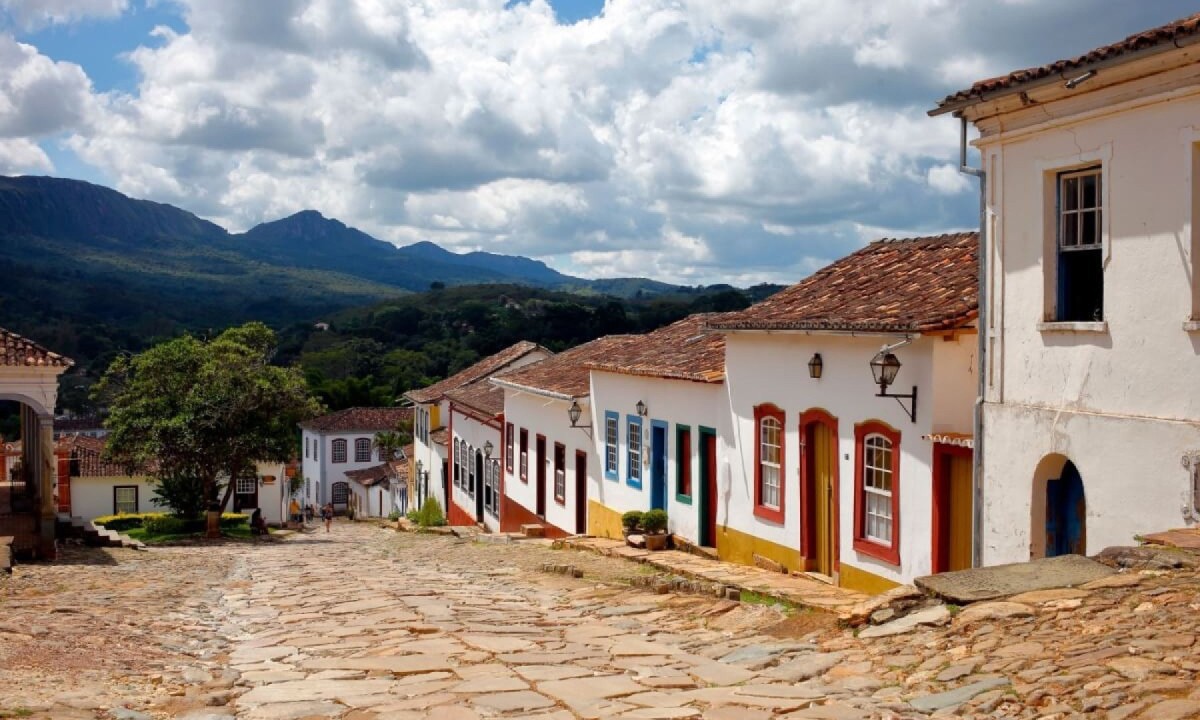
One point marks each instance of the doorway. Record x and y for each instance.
(708, 487)
(953, 508)
(1066, 513)
(818, 529)
(658, 465)
(477, 477)
(542, 460)
(580, 492)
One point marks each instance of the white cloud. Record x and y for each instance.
(19, 156)
(38, 96)
(31, 15)
(694, 140)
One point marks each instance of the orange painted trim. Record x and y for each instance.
(808, 513)
(888, 553)
(762, 412)
(513, 515)
(940, 549)
(470, 414)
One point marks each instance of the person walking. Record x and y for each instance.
(327, 515)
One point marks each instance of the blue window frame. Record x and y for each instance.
(612, 430)
(633, 451)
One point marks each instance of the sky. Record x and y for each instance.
(691, 141)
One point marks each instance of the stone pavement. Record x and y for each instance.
(798, 590)
(369, 624)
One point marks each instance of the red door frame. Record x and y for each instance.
(939, 551)
(540, 474)
(580, 492)
(808, 510)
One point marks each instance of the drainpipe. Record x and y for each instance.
(977, 491)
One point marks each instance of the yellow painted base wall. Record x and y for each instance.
(858, 579)
(603, 521)
(739, 547)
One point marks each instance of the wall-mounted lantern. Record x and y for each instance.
(816, 366)
(574, 413)
(884, 367)
(488, 447)
(642, 409)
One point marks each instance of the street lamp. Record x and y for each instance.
(573, 414)
(815, 366)
(641, 408)
(488, 447)
(884, 368)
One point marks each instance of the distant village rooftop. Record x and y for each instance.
(363, 419)
(1159, 39)
(482, 369)
(17, 351)
(912, 285)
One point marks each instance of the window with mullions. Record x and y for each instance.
(339, 451)
(1080, 253)
(610, 445)
(633, 452)
(362, 450)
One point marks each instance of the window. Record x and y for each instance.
(877, 491)
(493, 480)
(306, 447)
(524, 455)
(610, 445)
(457, 464)
(633, 451)
(125, 499)
(768, 463)
(247, 486)
(1080, 253)
(470, 473)
(508, 447)
(339, 451)
(683, 463)
(362, 450)
(560, 473)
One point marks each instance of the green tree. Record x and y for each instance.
(389, 443)
(200, 413)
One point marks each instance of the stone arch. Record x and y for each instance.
(1058, 517)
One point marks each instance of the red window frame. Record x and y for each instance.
(524, 455)
(761, 413)
(683, 461)
(889, 553)
(508, 446)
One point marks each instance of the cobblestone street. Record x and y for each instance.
(366, 623)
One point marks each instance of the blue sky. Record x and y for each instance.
(694, 141)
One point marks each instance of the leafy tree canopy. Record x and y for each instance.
(200, 413)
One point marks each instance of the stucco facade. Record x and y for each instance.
(471, 502)
(322, 470)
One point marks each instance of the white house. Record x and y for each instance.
(89, 486)
(380, 490)
(28, 508)
(658, 405)
(822, 474)
(547, 462)
(1091, 424)
(431, 408)
(341, 442)
(476, 419)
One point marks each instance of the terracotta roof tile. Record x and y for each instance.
(394, 471)
(566, 374)
(485, 367)
(1163, 35)
(481, 396)
(16, 351)
(439, 436)
(87, 458)
(683, 350)
(912, 285)
(360, 418)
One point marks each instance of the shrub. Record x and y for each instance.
(123, 522)
(654, 521)
(163, 525)
(233, 520)
(430, 514)
(394, 515)
(413, 515)
(631, 520)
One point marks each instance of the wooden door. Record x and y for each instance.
(820, 445)
(708, 485)
(1066, 512)
(658, 465)
(541, 461)
(958, 555)
(580, 492)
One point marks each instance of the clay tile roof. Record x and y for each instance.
(391, 471)
(87, 458)
(439, 436)
(360, 419)
(481, 396)
(1163, 36)
(566, 375)
(485, 367)
(681, 351)
(912, 285)
(16, 351)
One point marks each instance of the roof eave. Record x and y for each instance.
(537, 391)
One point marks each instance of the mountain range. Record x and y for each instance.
(88, 269)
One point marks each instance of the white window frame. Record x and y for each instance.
(246, 486)
(770, 470)
(877, 463)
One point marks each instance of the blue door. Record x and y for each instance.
(658, 465)
(1066, 508)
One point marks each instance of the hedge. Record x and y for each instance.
(165, 523)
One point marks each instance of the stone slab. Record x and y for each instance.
(1000, 581)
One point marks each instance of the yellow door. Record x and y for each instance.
(821, 447)
(959, 557)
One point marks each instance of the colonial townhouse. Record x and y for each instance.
(658, 404)
(1091, 424)
(547, 455)
(380, 490)
(847, 428)
(339, 443)
(476, 419)
(432, 454)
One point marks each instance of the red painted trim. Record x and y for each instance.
(457, 516)
(888, 553)
(510, 444)
(504, 457)
(470, 414)
(560, 500)
(940, 548)
(761, 412)
(808, 529)
(64, 481)
(515, 515)
(523, 471)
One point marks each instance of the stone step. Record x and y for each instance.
(533, 530)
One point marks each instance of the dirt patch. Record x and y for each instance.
(803, 624)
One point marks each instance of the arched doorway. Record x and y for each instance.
(1066, 513)
(341, 496)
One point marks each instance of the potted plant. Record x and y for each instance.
(631, 522)
(654, 523)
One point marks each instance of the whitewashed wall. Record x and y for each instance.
(374, 501)
(93, 496)
(773, 368)
(323, 472)
(1118, 403)
(273, 499)
(674, 402)
(469, 430)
